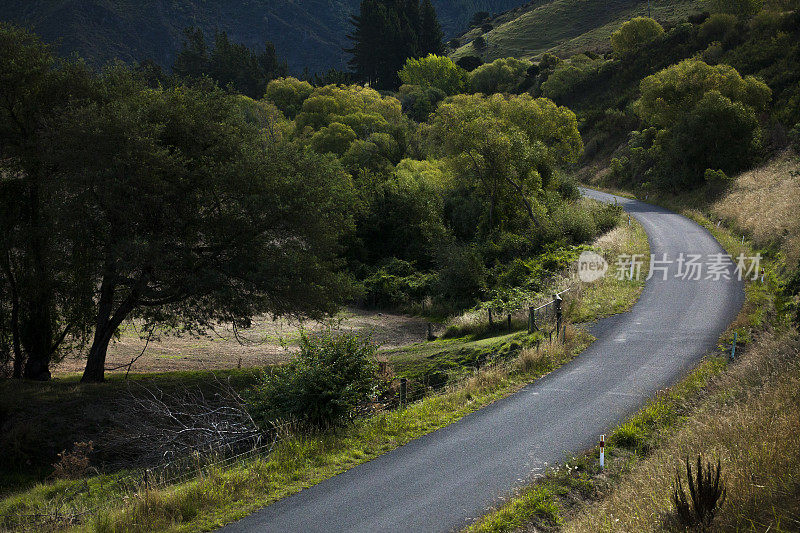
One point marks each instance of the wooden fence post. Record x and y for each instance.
(403, 391)
(491, 319)
(531, 319)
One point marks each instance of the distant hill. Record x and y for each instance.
(307, 33)
(565, 27)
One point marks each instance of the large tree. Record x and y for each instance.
(388, 32)
(430, 34)
(183, 212)
(38, 315)
(508, 146)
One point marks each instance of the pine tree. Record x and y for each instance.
(431, 34)
(192, 61)
(368, 40)
(387, 33)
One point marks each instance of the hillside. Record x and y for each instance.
(310, 33)
(564, 27)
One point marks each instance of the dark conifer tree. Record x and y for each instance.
(369, 40)
(388, 32)
(431, 34)
(192, 60)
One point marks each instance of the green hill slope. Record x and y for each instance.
(308, 33)
(565, 27)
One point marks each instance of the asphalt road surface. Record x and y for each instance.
(448, 478)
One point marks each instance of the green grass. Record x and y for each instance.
(613, 294)
(566, 27)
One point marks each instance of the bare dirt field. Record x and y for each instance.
(266, 342)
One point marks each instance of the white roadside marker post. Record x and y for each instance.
(602, 451)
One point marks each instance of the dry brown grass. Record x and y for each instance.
(267, 342)
(751, 420)
(764, 202)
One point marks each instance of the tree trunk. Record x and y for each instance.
(96, 362)
(38, 327)
(17, 373)
(39, 335)
(15, 340)
(108, 321)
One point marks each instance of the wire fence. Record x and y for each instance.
(121, 489)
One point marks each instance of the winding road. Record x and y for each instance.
(446, 479)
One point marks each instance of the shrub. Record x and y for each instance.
(73, 465)
(479, 18)
(718, 27)
(288, 94)
(395, 285)
(419, 102)
(461, 276)
(335, 138)
(706, 494)
(717, 134)
(702, 116)
(716, 176)
(741, 8)
(479, 43)
(635, 33)
(434, 71)
(330, 382)
(469, 63)
(503, 75)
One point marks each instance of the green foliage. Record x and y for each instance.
(329, 383)
(396, 285)
(436, 72)
(717, 133)
(702, 117)
(716, 177)
(461, 275)
(741, 8)
(336, 104)
(334, 138)
(507, 147)
(671, 93)
(469, 63)
(405, 218)
(418, 102)
(568, 76)
(633, 34)
(500, 76)
(718, 27)
(227, 63)
(288, 94)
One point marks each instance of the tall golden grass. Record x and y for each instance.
(751, 421)
(764, 202)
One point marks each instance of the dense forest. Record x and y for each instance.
(309, 35)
